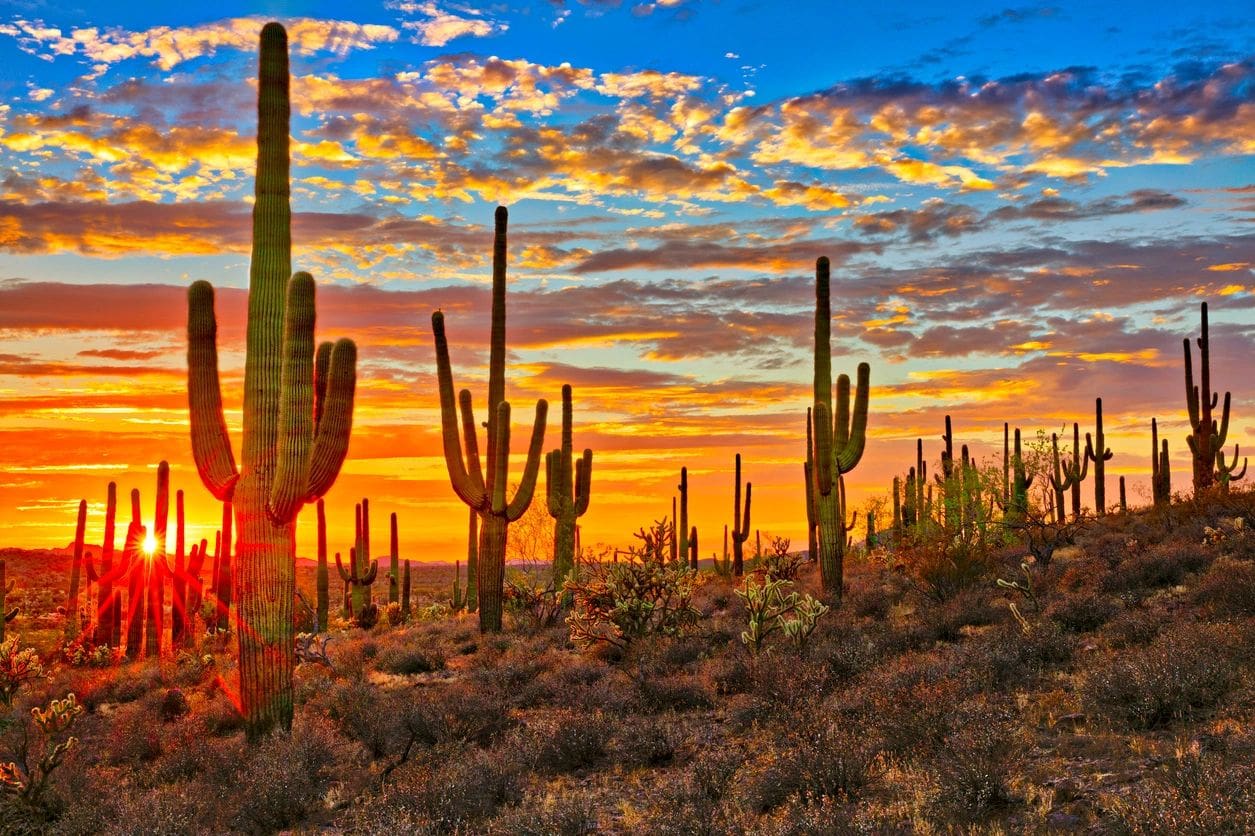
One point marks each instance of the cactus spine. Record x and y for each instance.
(486, 493)
(839, 438)
(567, 497)
(6, 589)
(298, 411)
(323, 580)
(1096, 451)
(740, 522)
(1207, 439)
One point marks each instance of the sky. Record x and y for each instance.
(1024, 206)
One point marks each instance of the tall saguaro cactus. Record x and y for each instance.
(839, 438)
(298, 411)
(567, 495)
(740, 522)
(683, 488)
(6, 589)
(485, 492)
(72, 625)
(322, 580)
(1207, 438)
(1097, 451)
(1160, 468)
(394, 564)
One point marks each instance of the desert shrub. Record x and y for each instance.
(618, 603)
(945, 621)
(644, 743)
(1193, 794)
(1166, 564)
(783, 686)
(285, 779)
(558, 742)
(1082, 613)
(190, 754)
(561, 814)
(779, 563)
(1132, 628)
(452, 791)
(824, 761)
(368, 617)
(1008, 656)
(1185, 670)
(474, 713)
(220, 716)
(172, 705)
(400, 659)
(673, 692)
(531, 602)
(846, 652)
(356, 709)
(173, 808)
(1228, 589)
(975, 761)
(35, 753)
(132, 737)
(393, 615)
(913, 715)
(870, 601)
(941, 566)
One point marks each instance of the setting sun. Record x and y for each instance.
(150, 545)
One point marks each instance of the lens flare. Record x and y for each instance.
(150, 545)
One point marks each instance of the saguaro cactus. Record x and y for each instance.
(1160, 468)
(486, 493)
(684, 512)
(137, 577)
(1076, 472)
(394, 566)
(106, 609)
(808, 473)
(322, 581)
(298, 410)
(359, 578)
(839, 438)
(472, 561)
(6, 589)
(1228, 472)
(567, 497)
(1207, 439)
(72, 621)
(740, 522)
(1020, 481)
(1096, 451)
(405, 592)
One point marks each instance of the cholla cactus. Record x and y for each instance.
(26, 781)
(18, 666)
(774, 605)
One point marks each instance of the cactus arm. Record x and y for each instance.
(466, 489)
(1227, 470)
(322, 366)
(1221, 435)
(345, 575)
(583, 482)
(527, 485)
(296, 401)
(331, 441)
(852, 451)
(470, 438)
(211, 445)
(1191, 391)
(369, 578)
(841, 429)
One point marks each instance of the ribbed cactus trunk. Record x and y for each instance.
(223, 568)
(298, 408)
(155, 622)
(6, 589)
(569, 483)
(684, 513)
(178, 581)
(72, 625)
(839, 438)
(405, 592)
(472, 561)
(1160, 469)
(363, 551)
(323, 580)
(483, 487)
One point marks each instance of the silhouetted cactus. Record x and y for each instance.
(322, 582)
(897, 507)
(1160, 468)
(1124, 502)
(472, 561)
(1207, 439)
(569, 484)
(486, 493)
(137, 580)
(6, 589)
(1096, 451)
(1021, 481)
(684, 512)
(740, 522)
(72, 622)
(363, 549)
(839, 438)
(405, 592)
(1076, 472)
(1226, 473)
(394, 566)
(156, 566)
(457, 601)
(808, 471)
(692, 543)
